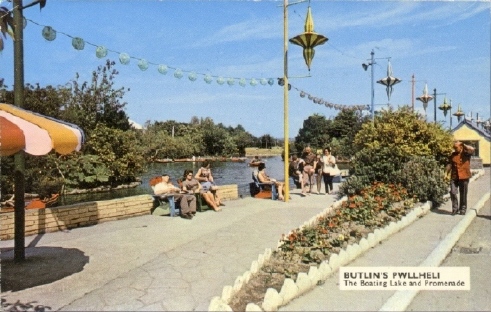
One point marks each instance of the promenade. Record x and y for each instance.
(152, 263)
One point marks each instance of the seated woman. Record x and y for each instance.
(295, 171)
(264, 178)
(187, 202)
(207, 183)
(191, 185)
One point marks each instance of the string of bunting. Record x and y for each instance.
(49, 33)
(321, 101)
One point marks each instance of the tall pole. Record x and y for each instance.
(285, 99)
(19, 158)
(412, 92)
(373, 89)
(434, 105)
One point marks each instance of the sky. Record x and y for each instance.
(444, 44)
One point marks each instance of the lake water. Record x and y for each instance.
(223, 172)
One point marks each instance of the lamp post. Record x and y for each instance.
(308, 40)
(446, 107)
(434, 102)
(459, 113)
(425, 98)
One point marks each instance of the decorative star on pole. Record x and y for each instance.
(389, 81)
(309, 39)
(425, 98)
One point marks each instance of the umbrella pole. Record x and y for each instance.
(19, 206)
(19, 171)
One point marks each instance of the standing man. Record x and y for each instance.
(459, 168)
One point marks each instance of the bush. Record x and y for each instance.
(353, 185)
(423, 177)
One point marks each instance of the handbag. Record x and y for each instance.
(335, 170)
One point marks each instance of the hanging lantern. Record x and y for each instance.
(459, 113)
(230, 81)
(309, 39)
(178, 73)
(143, 64)
(162, 69)
(220, 80)
(49, 33)
(302, 94)
(208, 79)
(389, 81)
(124, 58)
(253, 82)
(101, 51)
(192, 76)
(425, 98)
(271, 81)
(263, 81)
(242, 82)
(78, 43)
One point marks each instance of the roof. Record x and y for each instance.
(474, 127)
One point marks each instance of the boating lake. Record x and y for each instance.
(224, 172)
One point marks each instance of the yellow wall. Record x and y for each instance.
(465, 133)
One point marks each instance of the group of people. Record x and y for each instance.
(311, 169)
(202, 182)
(307, 169)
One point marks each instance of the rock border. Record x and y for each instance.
(307, 281)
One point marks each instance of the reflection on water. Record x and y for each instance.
(223, 172)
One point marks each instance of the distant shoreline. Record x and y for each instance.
(263, 152)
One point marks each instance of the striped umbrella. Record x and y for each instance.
(309, 39)
(36, 134)
(389, 81)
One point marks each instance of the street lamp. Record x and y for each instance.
(434, 102)
(387, 79)
(459, 113)
(425, 98)
(307, 40)
(446, 107)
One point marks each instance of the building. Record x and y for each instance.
(469, 132)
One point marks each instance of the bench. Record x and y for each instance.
(262, 190)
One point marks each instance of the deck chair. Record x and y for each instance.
(165, 205)
(262, 190)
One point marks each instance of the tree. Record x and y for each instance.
(314, 133)
(98, 101)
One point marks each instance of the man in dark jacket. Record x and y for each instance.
(459, 168)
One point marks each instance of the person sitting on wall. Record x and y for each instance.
(191, 185)
(264, 178)
(163, 186)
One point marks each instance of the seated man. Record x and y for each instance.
(186, 201)
(295, 171)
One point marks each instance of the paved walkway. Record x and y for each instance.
(154, 263)
(413, 246)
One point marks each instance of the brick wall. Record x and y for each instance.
(88, 213)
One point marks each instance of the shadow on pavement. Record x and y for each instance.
(43, 265)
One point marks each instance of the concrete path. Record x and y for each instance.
(151, 263)
(419, 243)
(154, 263)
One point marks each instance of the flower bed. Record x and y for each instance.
(307, 256)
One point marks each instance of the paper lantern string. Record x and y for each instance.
(320, 101)
(78, 43)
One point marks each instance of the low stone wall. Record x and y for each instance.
(88, 213)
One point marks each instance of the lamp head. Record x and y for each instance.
(365, 66)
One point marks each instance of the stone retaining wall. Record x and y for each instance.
(88, 213)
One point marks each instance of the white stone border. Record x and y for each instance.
(307, 281)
